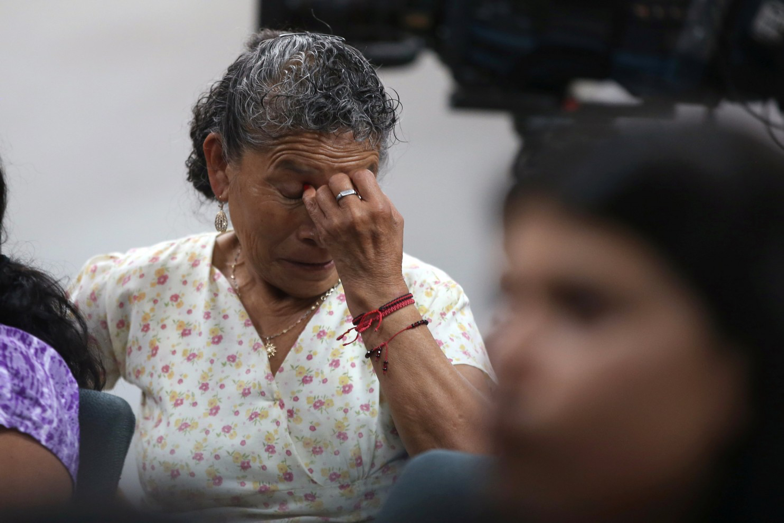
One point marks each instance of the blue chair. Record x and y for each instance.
(106, 426)
(441, 486)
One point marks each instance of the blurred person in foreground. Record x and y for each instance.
(641, 360)
(44, 359)
(254, 405)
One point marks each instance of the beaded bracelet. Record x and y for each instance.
(385, 345)
(365, 320)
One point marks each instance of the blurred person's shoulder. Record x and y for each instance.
(40, 396)
(38, 353)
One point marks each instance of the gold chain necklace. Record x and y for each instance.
(269, 346)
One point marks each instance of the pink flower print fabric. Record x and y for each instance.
(218, 433)
(39, 396)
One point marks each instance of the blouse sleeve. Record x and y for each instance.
(39, 396)
(444, 303)
(91, 292)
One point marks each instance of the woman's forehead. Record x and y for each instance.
(339, 140)
(314, 151)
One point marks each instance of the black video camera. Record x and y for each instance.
(510, 54)
(522, 56)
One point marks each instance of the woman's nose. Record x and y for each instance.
(307, 233)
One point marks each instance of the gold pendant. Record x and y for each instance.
(270, 348)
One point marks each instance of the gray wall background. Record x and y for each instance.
(95, 98)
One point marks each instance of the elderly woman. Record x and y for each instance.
(256, 403)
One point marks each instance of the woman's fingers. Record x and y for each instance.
(312, 205)
(350, 213)
(326, 201)
(367, 185)
(341, 183)
(364, 236)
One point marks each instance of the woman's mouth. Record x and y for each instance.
(311, 266)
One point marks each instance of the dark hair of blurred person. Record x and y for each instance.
(641, 366)
(44, 359)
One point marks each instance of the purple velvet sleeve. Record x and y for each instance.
(38, 395)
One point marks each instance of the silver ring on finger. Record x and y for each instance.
(347, 192)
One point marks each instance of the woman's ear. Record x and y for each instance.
(216, 165)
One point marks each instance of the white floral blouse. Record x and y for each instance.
(221, 435)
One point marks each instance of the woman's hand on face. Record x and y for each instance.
(364, 236)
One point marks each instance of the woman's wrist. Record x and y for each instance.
(362, 297)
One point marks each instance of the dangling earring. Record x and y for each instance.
(221, 221)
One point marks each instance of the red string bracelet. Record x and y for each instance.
(384, 307)
(385, 346)
(365, 320)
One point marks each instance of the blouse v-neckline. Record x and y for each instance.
(229, 289)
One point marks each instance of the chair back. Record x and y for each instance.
(106, 424)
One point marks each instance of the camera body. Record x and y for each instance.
(523, 56)
(508, 54)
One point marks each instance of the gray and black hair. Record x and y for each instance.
(286, 83)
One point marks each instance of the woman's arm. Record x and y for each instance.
(434, 404)
(30, 475)
(90, 293)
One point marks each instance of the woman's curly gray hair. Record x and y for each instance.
(285, 83)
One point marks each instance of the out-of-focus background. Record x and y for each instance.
(95, 100)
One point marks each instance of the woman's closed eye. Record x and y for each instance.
(293, 198)
(292, 193)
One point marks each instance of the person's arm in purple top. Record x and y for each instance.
(39, 423)
(30, 475)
